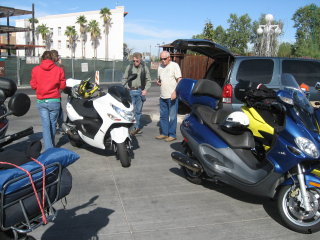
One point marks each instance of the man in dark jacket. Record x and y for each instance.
(48, 79)
(138, 87)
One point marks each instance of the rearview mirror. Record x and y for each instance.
(132, 77)
(317, 86)
(19, 104)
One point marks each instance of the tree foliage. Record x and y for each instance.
(105, 14)
(72, 35)
(44, 31)
(238, 34)
(285, 50)
(94, 29)
(307, 22)
(81, 20)
(236, 37)
(217, 35)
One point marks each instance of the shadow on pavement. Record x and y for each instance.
(145, 120)
(225, 189)
(69, 225)
(269, 205)
(271, 209)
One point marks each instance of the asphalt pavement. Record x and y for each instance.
(151, 200)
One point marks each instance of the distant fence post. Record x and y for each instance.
(72, 67)
(113, 66)
(18, 72)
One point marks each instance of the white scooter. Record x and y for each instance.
(102, 121)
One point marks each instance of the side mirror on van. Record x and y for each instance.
(317, 86)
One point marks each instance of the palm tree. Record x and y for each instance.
(106, 15)
(71, 33)
(32, 22)
(81, 20)
(44, 31)
(93, 28)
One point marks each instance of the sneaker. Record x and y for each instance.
(170, 139)
(161, 137)
(135, 131)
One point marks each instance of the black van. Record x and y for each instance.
(228, 70)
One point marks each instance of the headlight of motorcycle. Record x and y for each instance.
(287, 100)
(127, 115)
(307, 146)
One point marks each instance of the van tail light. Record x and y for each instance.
(227, 93)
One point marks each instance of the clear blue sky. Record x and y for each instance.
(149, 22)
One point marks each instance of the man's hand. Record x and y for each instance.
(144, 92)
(173, 95)
(158, 82)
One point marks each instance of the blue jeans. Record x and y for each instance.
(49, 112)
(137, 104)
(168, 117)
(60, 117)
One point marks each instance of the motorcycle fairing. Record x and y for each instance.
(119, 134)
(197, 130)
(84, 107)
(121, 94)
(229, 166)
(259, 127)
(310, 180)
(88, 126)
(185, 88)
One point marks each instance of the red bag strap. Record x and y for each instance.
(43, 180)
(41, 206)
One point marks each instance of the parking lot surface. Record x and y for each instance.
(151, 200)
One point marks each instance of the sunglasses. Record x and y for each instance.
(163, 59)
(136, 61)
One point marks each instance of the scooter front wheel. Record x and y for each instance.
(123, 154)
(293, 213)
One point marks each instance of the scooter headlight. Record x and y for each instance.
(307, 146)
(127, 115)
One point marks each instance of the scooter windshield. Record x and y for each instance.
(302, 106)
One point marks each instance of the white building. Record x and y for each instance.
(57, 25)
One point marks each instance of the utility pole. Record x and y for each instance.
(33, 38)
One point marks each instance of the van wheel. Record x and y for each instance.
(123, 155)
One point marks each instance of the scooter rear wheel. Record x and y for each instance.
(123, 154)
(75, 141)
(193, 177)
(293, 213)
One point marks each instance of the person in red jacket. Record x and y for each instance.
(48, 80)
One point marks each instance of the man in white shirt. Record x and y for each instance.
(169, 74)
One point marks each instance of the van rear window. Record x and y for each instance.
(307, 72)
(256, 70)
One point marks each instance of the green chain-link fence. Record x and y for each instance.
(18, 70)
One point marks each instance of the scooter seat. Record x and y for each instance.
(210, 115)
(84, 108)
(212, 118)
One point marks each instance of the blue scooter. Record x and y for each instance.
(288, 170)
